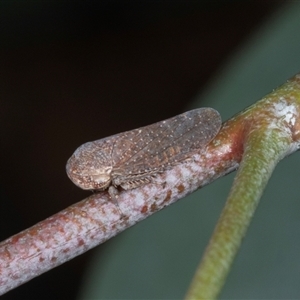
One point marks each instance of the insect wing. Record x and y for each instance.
(153, 148)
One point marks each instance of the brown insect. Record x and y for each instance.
(132, 158)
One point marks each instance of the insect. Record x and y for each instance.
(132, 158)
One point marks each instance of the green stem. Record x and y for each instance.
(263, 150)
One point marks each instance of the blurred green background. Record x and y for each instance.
(71, 73)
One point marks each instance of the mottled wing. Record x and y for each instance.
(155, 147)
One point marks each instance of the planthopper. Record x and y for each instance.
(132, 158)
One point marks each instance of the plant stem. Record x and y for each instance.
(262, 152)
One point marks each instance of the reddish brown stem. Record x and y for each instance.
(94, 220)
